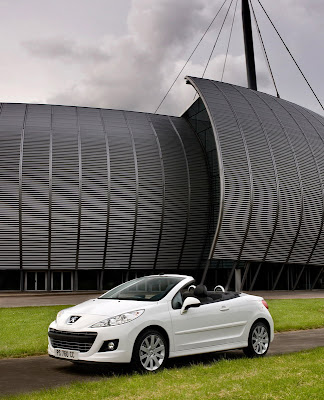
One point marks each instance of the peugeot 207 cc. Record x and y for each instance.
(147, 320)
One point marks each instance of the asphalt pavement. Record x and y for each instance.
(28, 374)
(46, 299)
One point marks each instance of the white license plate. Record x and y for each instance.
(68, 354)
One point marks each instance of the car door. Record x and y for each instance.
(210, 325)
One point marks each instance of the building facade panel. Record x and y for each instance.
(315, 127)
(288, 212)
(176, 193)
(198, 119)
(235, 182)
(90, 190)
(12, 118)
(264, 194)
(150, 192)
(272, 208)
(199, 210)
(312, 181)
(65, 194)
(94, 196)
(122, 190)
(309, 183)
(35, 187)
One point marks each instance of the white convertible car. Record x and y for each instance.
(148, 320)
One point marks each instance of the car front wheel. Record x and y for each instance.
(150, 351)
(259, 340)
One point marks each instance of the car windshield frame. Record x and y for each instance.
(147, 288)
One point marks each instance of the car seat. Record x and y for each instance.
(201, 293)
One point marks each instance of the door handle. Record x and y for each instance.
(224, 308)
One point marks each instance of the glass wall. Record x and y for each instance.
(198, 118)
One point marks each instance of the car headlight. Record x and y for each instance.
(59, 314)
(118, 319)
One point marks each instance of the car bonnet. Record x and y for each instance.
(95, 310)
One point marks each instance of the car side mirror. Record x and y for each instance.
(188, 303)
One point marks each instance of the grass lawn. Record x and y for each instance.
(23, 331)
(289, 377)
(295, 314)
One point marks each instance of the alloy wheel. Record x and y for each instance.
(260, 339)
(152, 352)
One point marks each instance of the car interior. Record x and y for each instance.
(206, 297)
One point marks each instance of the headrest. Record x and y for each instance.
(200, 291)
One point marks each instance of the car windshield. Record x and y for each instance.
(148, 288)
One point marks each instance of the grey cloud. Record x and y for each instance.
(167, 24)
(134, 77)
(161, 34)
(59, 48)
(311, 9)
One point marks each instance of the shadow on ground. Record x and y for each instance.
(36, 373)
(109, 370)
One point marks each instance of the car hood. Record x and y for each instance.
(95, 310)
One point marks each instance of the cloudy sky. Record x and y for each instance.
(125, 54)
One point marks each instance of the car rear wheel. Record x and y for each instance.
(259, 340)
(150, 351)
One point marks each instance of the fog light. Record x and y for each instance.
(111, 346)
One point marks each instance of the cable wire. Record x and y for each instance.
(229, 41)
(190, 56)
(210, 56)
(264, 49)
(291, 54)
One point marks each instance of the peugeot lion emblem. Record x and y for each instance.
(73, 319)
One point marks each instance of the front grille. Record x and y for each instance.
(80, 341)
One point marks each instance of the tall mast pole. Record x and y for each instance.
(248, 45)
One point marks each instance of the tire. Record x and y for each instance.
(259, 340)
(150, 351)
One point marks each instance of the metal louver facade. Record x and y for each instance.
(271, 167)
(85, 188)
(237, 181)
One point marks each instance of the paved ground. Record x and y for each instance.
(46, 299)
(35, 373)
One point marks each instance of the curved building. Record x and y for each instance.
(88, 192)
(90, 197)
(270, 180)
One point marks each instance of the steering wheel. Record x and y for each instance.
(191, 287)
(219, 288)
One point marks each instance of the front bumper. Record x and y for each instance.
(123, 353)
